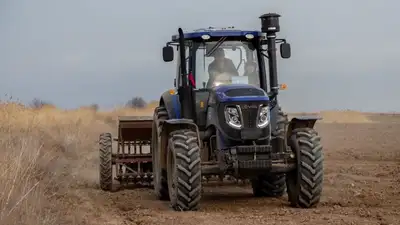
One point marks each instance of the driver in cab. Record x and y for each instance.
(250, 70)
(221, 64)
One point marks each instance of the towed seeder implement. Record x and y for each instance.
(128, 158)
(131, 162)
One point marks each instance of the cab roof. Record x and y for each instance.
(217, 33)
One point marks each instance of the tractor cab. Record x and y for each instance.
(217, 57)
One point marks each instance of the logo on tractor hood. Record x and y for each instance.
(249, 106)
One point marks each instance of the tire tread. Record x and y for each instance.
(311, 169)
(188, 174)
(106, 179)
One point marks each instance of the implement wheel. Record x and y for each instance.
(159, 174)
(304, 185)
(184, 170)
(106, 178)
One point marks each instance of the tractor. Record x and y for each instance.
(222, 118)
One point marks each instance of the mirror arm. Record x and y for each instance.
(282, 40)
(171, 43)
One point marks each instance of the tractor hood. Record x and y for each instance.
(240, 93)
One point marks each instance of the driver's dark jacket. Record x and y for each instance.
(229, 67)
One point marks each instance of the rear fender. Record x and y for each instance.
(301, 122)
(171, 125)
(172, 104)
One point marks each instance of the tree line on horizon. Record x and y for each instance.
(134, 103)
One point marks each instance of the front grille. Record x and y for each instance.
(249, 111)
(249, 116)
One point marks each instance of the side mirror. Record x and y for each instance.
(168, 53)
(285, 50)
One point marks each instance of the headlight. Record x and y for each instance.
(232, 117)
(263, 117)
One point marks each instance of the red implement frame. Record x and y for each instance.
(133, 159)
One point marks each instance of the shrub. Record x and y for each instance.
(38, 104)
(136, 102)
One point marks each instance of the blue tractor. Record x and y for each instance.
(223, 117)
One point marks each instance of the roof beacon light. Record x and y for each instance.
(205, 37)
(249, 36)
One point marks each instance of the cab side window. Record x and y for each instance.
(178, 78)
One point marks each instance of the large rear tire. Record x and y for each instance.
(106, 178)
(184, 170)
(159, 174)
(273, 185)
(304, 185)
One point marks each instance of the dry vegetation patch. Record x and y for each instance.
(45, 154)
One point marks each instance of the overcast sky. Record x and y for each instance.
(345, 54)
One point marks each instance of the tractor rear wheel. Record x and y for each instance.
(304, 185)
(184, 170)
(106, 178)
(269, 186)
(273, 185)
(159, 174)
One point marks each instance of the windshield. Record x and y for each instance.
(229, 62)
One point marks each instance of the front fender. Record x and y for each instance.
(167, 126)
(301, 122)
(172, 104)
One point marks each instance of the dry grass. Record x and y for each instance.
(45, 154)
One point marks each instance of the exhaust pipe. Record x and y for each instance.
(185, 91)
(270, 26)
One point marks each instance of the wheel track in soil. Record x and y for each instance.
(361, 186)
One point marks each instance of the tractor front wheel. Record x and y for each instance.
(304, 185)
(106, 178)
(184, 170)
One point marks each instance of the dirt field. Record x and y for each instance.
(48, 175)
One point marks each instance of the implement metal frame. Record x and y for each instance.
(133, 159)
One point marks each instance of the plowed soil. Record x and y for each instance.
(362, 186)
